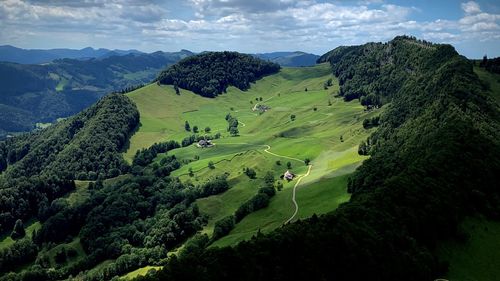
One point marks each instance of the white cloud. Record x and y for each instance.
(471, 7)
(244, 25)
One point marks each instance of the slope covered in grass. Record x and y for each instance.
(326, 130)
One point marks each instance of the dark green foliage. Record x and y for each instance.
(187, 127)
(289, 165)
(145, 156)
(209, 74)
(60, 256)
(211, 165)
(18, 231)
(214, 186)
(222, 227)
(307, 161)
(250, 173)
(88, 142)
(292, 117)
(195, 129)
(232, 125)
(436, 150)
(491, 65)
(24, 198)
(371, 122)
(21, 252)
(259, 201)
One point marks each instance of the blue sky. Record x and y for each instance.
(251, 26)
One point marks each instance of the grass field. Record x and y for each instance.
(326, 130)
(477, 259)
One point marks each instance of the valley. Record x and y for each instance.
(326, 134)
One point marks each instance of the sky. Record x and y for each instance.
(250, 26)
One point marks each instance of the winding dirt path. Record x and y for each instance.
(294, 194)
(282, 156)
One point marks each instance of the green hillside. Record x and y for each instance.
(314, 134)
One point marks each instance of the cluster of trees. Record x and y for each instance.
(145, 156)
(129, 89)
(258, 201)
(209, 74)
(371, 122)
(21, 252)
(189, 140)
(492, 65)
(434, 160)
(24, 198)
(223, 226)
(232, 125)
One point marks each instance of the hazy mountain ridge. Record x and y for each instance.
(290, 59)
(37, 56)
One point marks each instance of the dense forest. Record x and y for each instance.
(209, 74)
(39, 166)
(135, 220)
(434, 160)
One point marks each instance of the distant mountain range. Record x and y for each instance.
(36, 56)
(290, 58)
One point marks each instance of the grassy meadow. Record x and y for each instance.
(325, 130)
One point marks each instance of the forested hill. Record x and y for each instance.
(434, 160)
(75, 147)
(87, 146)
(209, 74)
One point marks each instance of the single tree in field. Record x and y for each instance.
(176, 88)
(288, 165)
(307, 161)
(18, 231)
(278, 162)
(191, 173)
(186, 126)
(207, 130)
(292, 117)
(195, 129)
(211, 165)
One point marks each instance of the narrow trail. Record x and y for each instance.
(282, 156)
(294, 192)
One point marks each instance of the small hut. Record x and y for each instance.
(205, 143)
(288, 176)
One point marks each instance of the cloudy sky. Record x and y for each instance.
(316, 26)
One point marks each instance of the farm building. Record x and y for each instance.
(205, 143)
(288, 176)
